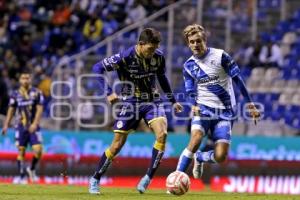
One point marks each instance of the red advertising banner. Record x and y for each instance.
(257, 184)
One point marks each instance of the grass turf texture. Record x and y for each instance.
(51, 192)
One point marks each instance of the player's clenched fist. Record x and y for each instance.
(113, 98)
(255, 114)
(178, 107)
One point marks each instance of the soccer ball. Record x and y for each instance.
(178, 183)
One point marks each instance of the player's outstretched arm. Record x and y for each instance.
(108, 64)
(178, 107)
(99, 69)
(112, 98)
(232, 69)
(255, 114)
(189, 85)
(9, 116)
(165, 85)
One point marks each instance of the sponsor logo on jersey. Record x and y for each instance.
(119, 124)
(153, 61)
(209, 80)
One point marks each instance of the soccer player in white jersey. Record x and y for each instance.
(208, 76)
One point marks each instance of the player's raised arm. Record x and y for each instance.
(233, 71)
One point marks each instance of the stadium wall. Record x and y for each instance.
(77, 153)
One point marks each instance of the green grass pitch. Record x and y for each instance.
(58, 192)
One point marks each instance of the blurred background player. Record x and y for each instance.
(27, 103)
(208, 75)
(139, 65)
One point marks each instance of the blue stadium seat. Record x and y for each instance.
(270, 97)
(279, 108)
(258, 97)
(283, 26)
(277, 36)
(267, 115)
(288, 119)
(296, 123)
(290, 60)
(267, 110)
(261, 15)
(294, 25)
(275, 3)
(276, 116)
(295, 74)
(268, 107)
(265, 36)
(295, 48)
(297, 15)
(285, 74)
(292, 110)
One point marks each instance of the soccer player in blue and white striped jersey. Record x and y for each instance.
(208, 76)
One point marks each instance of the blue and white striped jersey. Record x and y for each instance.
(210, 78)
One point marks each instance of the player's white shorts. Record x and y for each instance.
(219, 127)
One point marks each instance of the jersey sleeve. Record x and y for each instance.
(164, 82)
(229, 65)
(13, 100)
(39, 99)
(113, 62)
(162, 68)
(189, 84)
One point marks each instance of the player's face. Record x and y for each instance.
(148, 49)
(197, 44)
(25, 80)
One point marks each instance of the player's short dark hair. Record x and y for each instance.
(150, 35)
(24, 71)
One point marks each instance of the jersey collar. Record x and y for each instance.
(204, 55)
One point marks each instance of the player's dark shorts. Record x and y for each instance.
(132, 112)
(218, 122)
(23, 137)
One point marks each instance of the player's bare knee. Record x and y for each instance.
(196, 134)
(195, 140)
(21, 151)
(116, 147)
(220, 157)
(193, 146)
(38, 154)
(21, 155)
(196, 137)
(161, 136)
(38, 151)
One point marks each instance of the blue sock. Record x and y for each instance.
(208, 156)
(184, 160)
(104, 163)
(155, 161)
